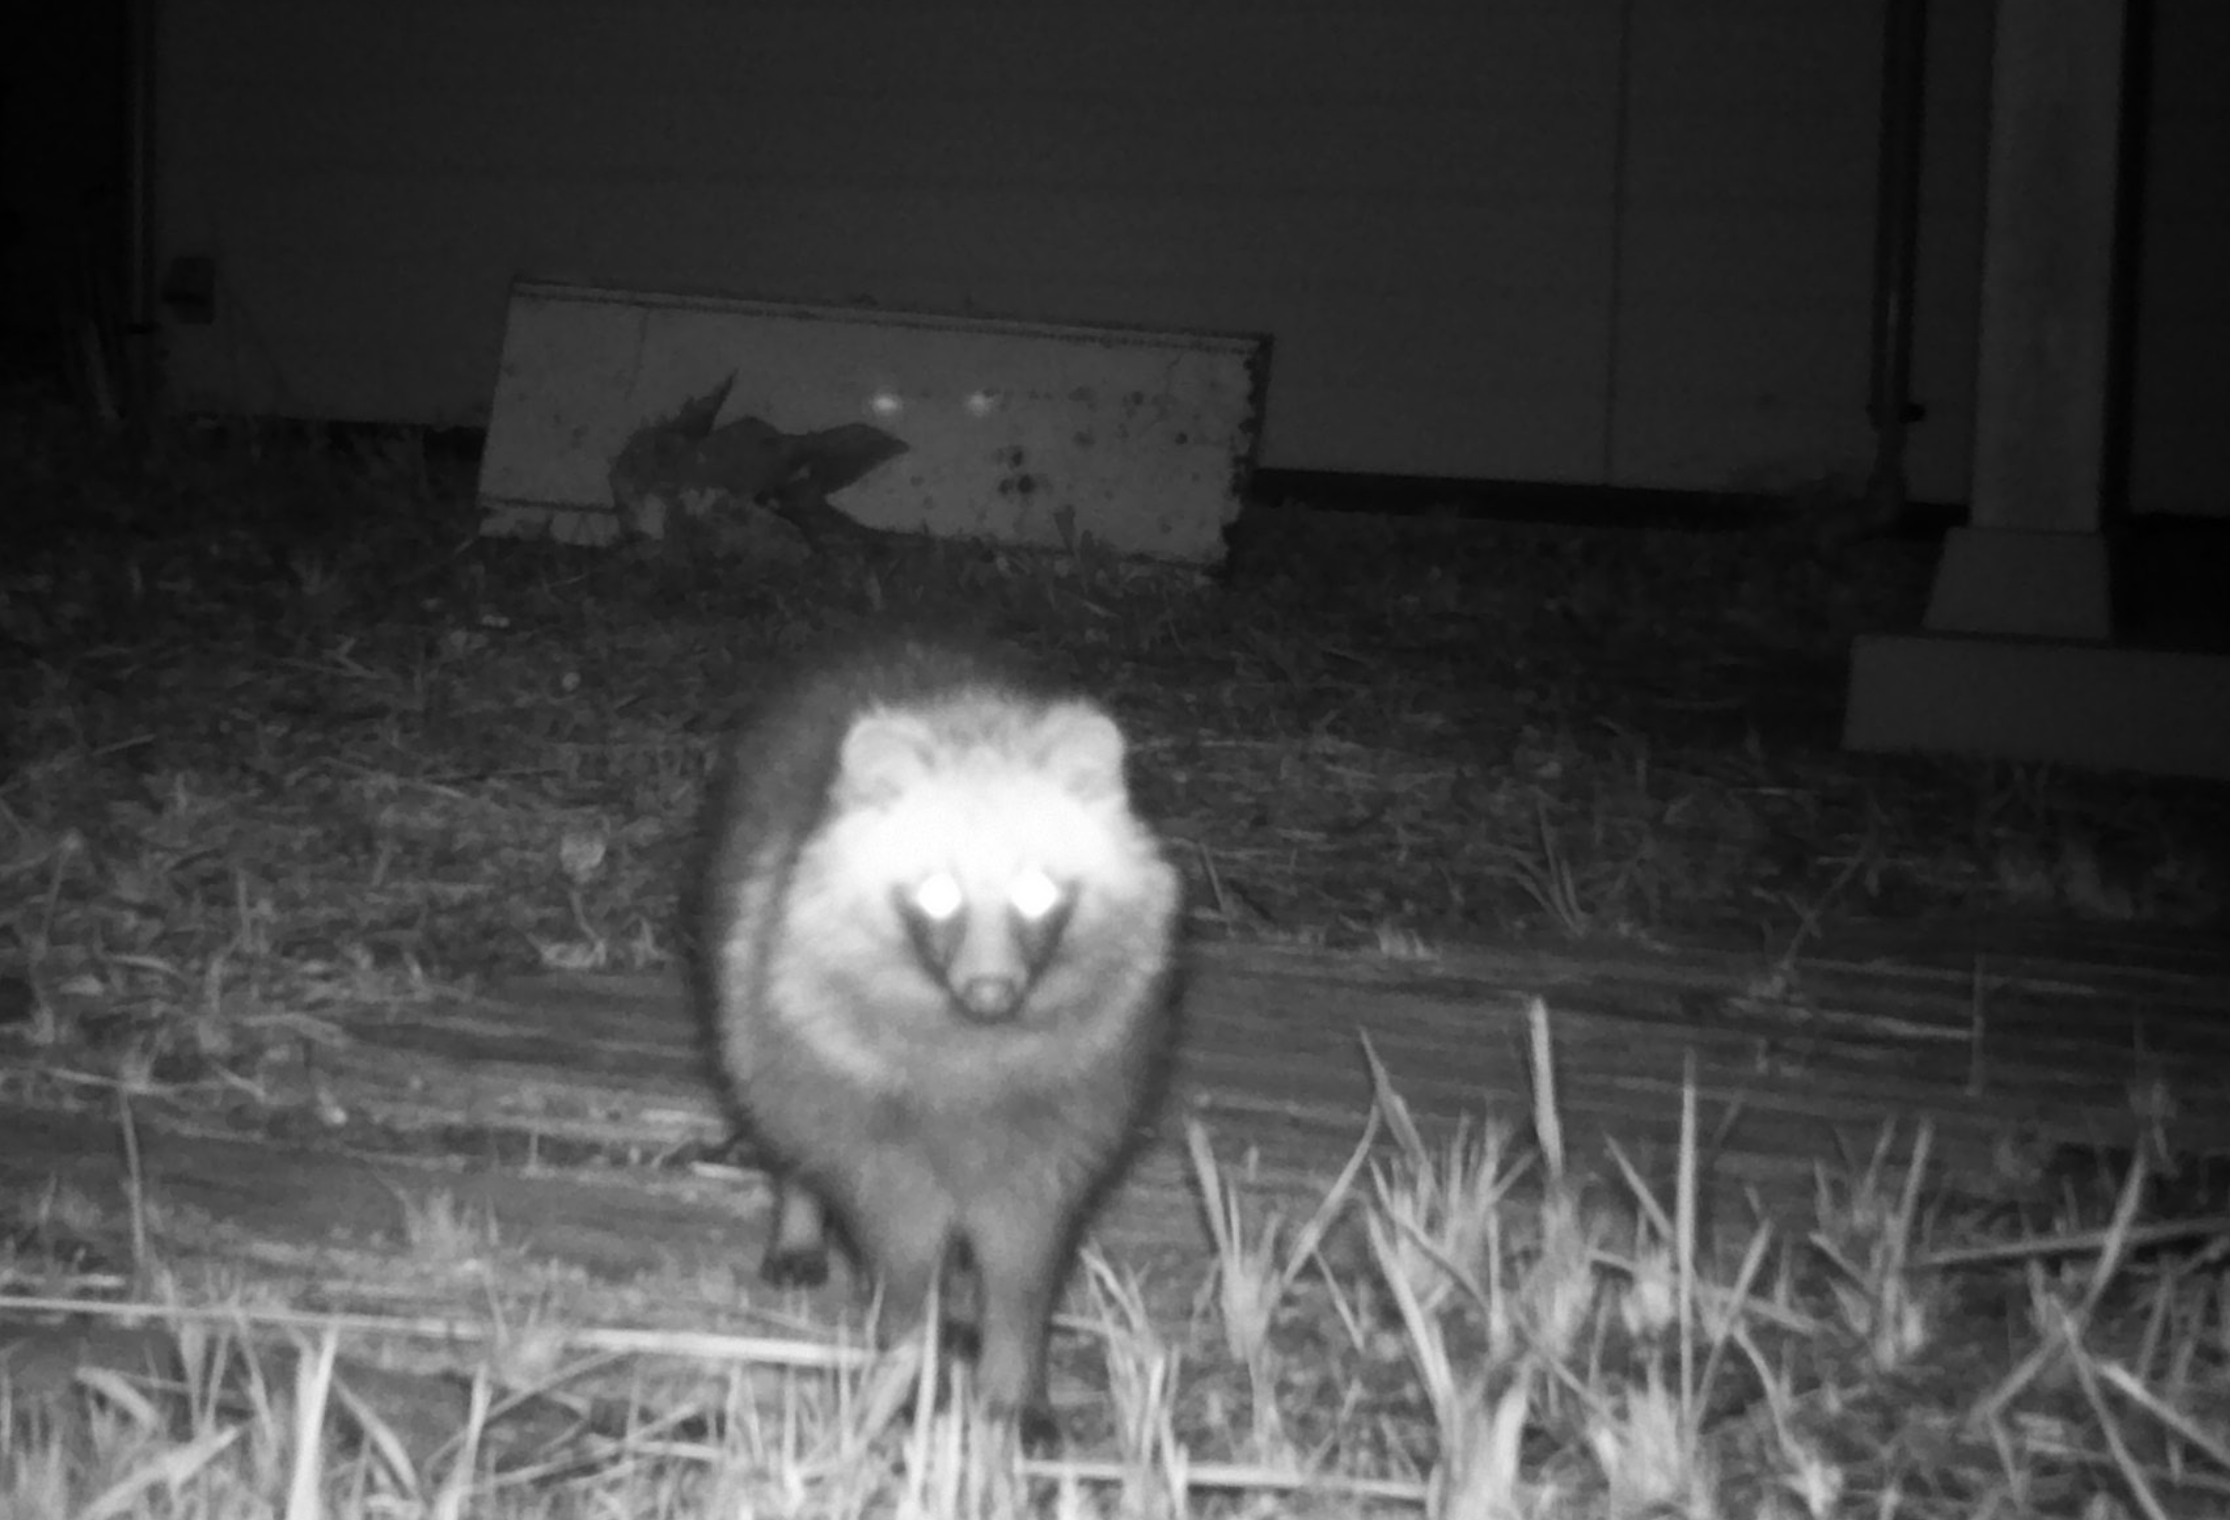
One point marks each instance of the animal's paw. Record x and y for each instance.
(1040, 1430)
(797, 1267)
(960, 1338)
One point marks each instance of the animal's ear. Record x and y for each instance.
(883, 755)
(1082, 749)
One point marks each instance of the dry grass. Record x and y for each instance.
(1514, 1340)
(284, 739)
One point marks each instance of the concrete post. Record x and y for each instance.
(2034, 562)
(2014, 662)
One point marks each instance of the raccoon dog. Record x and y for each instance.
(933, 948)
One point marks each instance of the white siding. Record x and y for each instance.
(1412, 197)
(1420, 199)
(1747, 256)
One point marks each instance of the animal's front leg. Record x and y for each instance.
(1021, 1257)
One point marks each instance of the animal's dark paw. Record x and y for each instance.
(1040, 1430)
(1032, 1429)
(802, 1267)
(960, 1338)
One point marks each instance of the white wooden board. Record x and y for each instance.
(1022, 433)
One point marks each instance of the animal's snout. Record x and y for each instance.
(990, 999)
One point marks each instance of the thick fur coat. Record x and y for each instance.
(933, 948)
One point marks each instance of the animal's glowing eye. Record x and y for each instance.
(1034, 895)
(939, 897)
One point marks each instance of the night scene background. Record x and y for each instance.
(1696, 753)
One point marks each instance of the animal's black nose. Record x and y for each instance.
(990, 999)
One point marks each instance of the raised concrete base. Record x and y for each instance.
(2033, 585)
(2074, 704)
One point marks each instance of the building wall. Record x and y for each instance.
(1747, 249)
(1615, 241)
(2179, 446)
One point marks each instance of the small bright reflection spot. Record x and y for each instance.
(884, 404)
(1034, 895)
(982, 403)
(939, 897)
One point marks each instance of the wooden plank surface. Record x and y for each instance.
(1273, 1044)
(2085, 1045)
